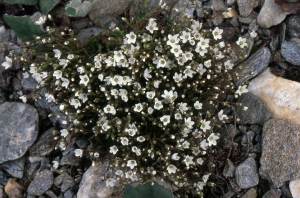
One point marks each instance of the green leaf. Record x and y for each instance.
(47, 5)
(26, 2)
(75, 8)
(146, 191)
(24, 27)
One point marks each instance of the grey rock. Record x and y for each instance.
(84, 35)
(16, 84)
(234, 21)
(8, 36)
(15, 167)
(3, 178)
(69, 194)
(1, 192)
(270, 14)
(257, 148)
(239, 54)
(19, 129)
(50, 194)
(79, 25)
(280, 154)
(69, 157)
(187, 6)
(82, 143)
(228, 170)
(247, 139)
(227, 136)
(273, 193)
(41, 183)
(29, 84)
(32, 168)
(218, 5)
(256, 128)
(67, 183)
(103, 11)
(250, 194)
(217, 20)
(286, 190)
(13, 189)
(234, 185)
(255, 64)
(274, 44)
(229, 194)
(245, 7)
(230, 2)
(45, 144)
(58, 180)
(293, 26)
(257, 112)
(248, 19)
(246, 174)
(290, 51)
(150, 4)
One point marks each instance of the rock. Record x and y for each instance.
(150, 4)
(82, 143)
(16, 84)
(250, 194)
(280, 95)
(217, 20)
(91, 181)
(84, 35)
(239, 54)
(234, 185)
(247, 140)
(103, 12)
(245, 7)
(45, 144)
(80, 24)
(251, 17)
(69, 194)
(15, 167)
(270, 14)
(273, 193)
(3, 179)
(249, 68)
(32, 168)
(229, 194)
(295, 188)
(234, 21)
(67, 183)
(218, 5)
(28, 84)
(50, 194)
(41, 183)
(13, 189)
(8, 36)
(229, 169)
(293, 26)
(246, 174)
(18, 128)
(257, 112)
(69, 157)
(227, 135)
(230, 2)
(285, 189)
(189, 7)
(280, 154)
(290, 51)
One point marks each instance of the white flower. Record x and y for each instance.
(119, 173)
(212, 139)
(172, 40)
(205, 125)
(217, 33)
(151, 25)
(200, 161)
(200, 185)
(188, 55)
(188, 72)
(109, 109)
(198, 105)
(158, 104)
(169, 95)
(136, 150)
(253, 34)
(70, 56)
(222, 116)
(242, 89)
(26, 75)
(147, 74)
(201, 51)
(207, 63)
(63, 62)
(165, 119)
(138, 107)
(64, 132)
(23, 98)
(75, 103)
(161, 62)
(84, 79)
(183, 107)
(156, 83)
(242, 42)
(62, 146)
(205, 177)
(177, 116)
(124, 140)
(131, 38)
(78, 152)
(188, 160)
(111, 182)
(171, 169)
(131, 163)
(7, 64)
(57, 74)
(57, 53)
(113, 150)
(65, 82)
(140, 139)
(55, 164)
(196, 26)
(176, 50)
(186, 36)
(185, 145)
(177, 77)
(188, 122)
(202, 70)
(175, 156)
(96, 155)
(83, 97)
(228, 64)
(41, 20)
(150, 94)
(203, 43)
(204, 144)
(150, 110)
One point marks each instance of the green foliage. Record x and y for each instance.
(26, 2)
(75, 8)
(24, 27)
(147, 190)
(47, 5)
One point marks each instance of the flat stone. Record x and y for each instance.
(250, 194)
(245, 7)
(280, 95)
(84, 35)
(295, 188)
(281, 152)
(256, 113)
(270, 14)
(290, 51)
(41, 183)
(246, 174)
(293, 26)
(67, 183)
(228, 170)
(218, 5)
(239, 54)
(252, 66)
(15, 167)
(248, 19)
(273, 193)
(13, 189)
(18, 129)
(45, 144)
(29, 84)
